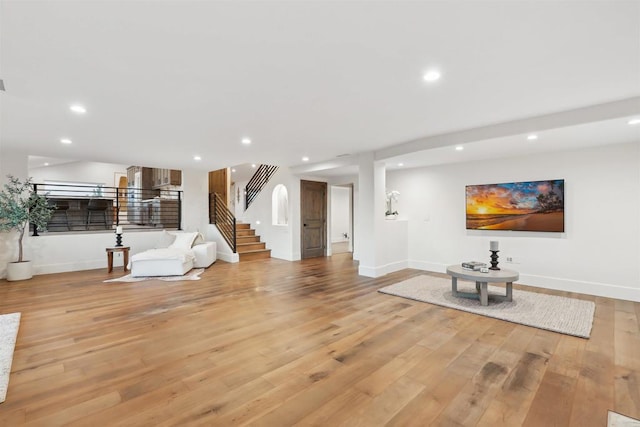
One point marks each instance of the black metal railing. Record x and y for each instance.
(257, 182)
(221, 216)
(96, 207)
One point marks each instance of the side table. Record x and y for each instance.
(125, 255)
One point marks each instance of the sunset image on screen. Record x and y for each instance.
(523, 206)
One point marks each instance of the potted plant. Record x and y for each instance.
(19, 206)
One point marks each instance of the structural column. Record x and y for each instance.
(370, 214)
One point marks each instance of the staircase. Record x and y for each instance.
(248, 245)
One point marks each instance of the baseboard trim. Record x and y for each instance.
(382, 270)
(228, 257)
(582, 287)
(428, 266)
(74, 266)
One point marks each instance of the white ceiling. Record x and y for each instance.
(164, 81)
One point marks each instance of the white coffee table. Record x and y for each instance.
(482, 279)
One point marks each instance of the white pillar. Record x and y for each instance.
(370, 215)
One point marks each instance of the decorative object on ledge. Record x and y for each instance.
(493, 247)
(20, 205)
(118, 236)
(392, 196)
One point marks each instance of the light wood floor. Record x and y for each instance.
(279, 343)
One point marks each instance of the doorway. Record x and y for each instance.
(313, 216)
(341, 219)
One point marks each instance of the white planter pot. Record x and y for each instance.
(391, 216)
(19, 271)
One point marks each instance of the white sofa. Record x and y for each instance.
(174, 255)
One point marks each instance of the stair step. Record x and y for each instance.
(247, 239)
(247, 232)
(257, 254)
(251, 246)
(242, 226)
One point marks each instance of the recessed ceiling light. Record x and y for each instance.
(65, 141)
(634, 122)
(459, 148)
(400, 164)
(253, 165)
(431, 76)
(532, 137)
(46, 164)
(246, 141)
(305, 159)
(78, 109)
(197, 158)
(233, 170)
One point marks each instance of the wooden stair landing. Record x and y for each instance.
(248, 244)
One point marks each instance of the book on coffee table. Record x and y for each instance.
(473, 265)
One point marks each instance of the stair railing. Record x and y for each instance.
(257, 182)
(222, 217)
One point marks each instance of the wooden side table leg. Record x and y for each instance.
(126, 258)
(110, 262)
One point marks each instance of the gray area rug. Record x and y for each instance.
(559, 314)
(191, 275)
(9, 324)
(618, 420)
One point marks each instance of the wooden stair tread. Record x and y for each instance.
(255, 254)
(249, 245)
(254, 251)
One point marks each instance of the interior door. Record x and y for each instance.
(219, 182)
(313, 211)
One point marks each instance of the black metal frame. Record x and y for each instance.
(223, 218)
(147, 209)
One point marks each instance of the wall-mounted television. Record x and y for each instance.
(516, 206)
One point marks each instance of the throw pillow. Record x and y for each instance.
(183, 240)
(165, 240)
(199, 240)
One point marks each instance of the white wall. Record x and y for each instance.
(283, 240)
(599, 252)
(53, 253)
(239, 205)
(91, 172)
(340, 214)
(195, 200)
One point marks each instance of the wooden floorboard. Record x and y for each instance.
(309, 343)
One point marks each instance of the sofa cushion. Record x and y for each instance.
(199, 239)
(165, 240)
(184, 240)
